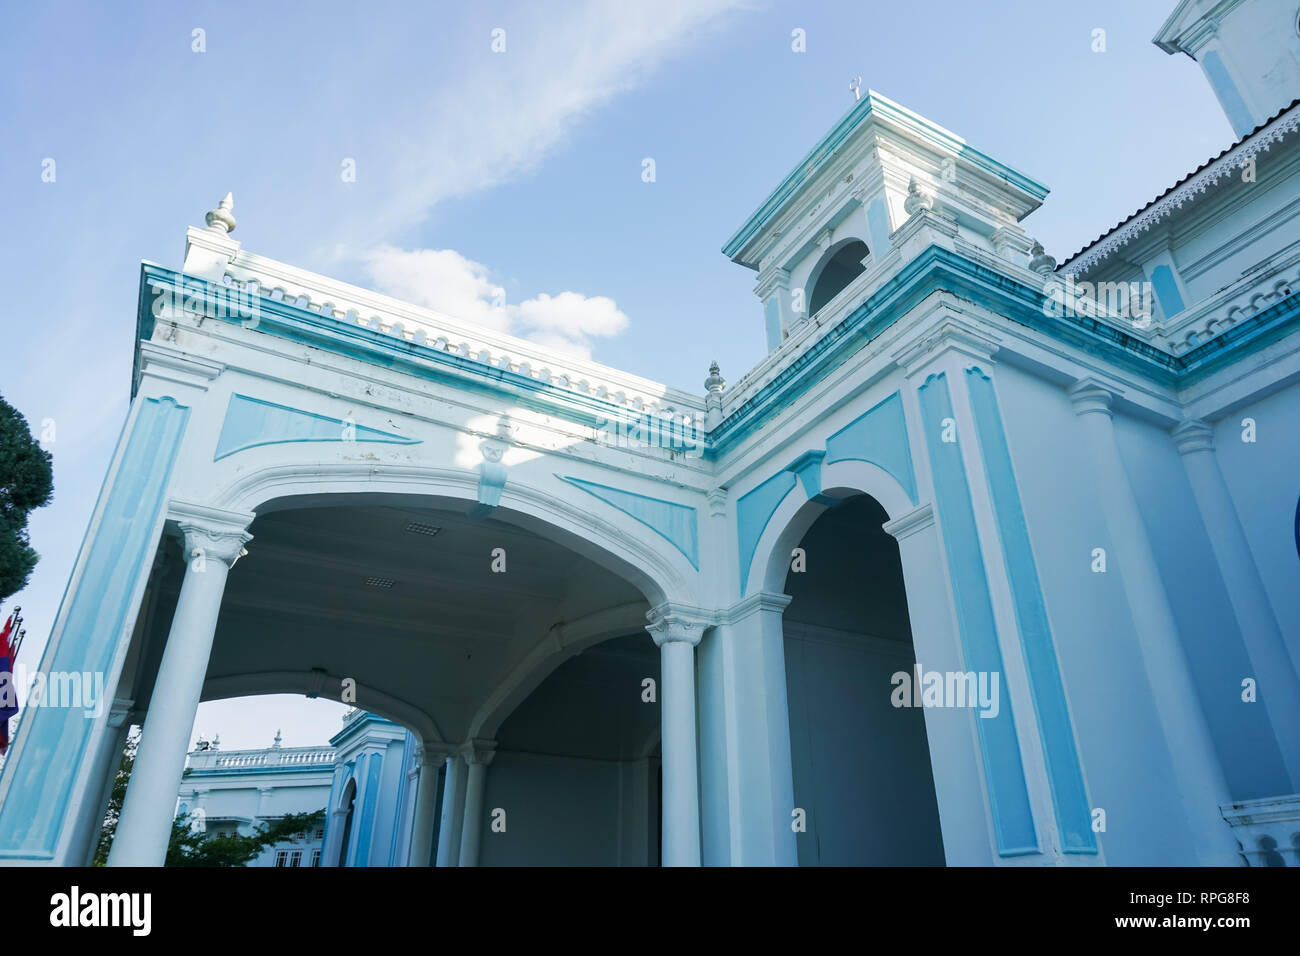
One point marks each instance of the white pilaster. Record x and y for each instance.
(964, 813)
(213, 540)
(1274, 674)
(1187, 733)
(677, 633)
(107, 761)
(758, 727)
(478, 754)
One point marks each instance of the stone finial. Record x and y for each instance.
(1040, 261)
(277, 742)
(916, 200)
(216, 741)
(715, 383)
(221, 218)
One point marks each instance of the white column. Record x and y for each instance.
(426, 803)
(143, 830)
(677, 635)
(477, 755)
(1187, 733)
(1275, 674)
(453, 791)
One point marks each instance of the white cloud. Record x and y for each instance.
(499, 121)
(511, 109)
(447, 282)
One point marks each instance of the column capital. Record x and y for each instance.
(671, 623)
(431, 755)
(774, 601)
(478, 751)
(1192, 436)
(216, 533)
(770, 279)
(717, 501)
(1089, 396)
(909, 524)
(120, 712)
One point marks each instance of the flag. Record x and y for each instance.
(8, 691)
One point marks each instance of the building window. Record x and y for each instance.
(295, 858)
(315, 857)
(281, 857)
(319, 834)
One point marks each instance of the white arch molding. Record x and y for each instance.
(309, 683)
(797, 512)
(661, 574)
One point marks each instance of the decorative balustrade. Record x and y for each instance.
(428, 329)
(256, 759)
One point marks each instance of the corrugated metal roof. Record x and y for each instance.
(1209, 162)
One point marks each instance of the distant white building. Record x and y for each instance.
(235, 791)
(360, 774)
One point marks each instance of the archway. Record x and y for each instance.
(861, 765)
(840, 266)
(422, 608)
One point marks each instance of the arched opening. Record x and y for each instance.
(861, 765)
(576, 768)
(841, 267)
(347, 805)
(436, 623)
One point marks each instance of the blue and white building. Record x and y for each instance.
(989, 562)
(239, 791)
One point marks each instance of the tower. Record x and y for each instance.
(1249, 50)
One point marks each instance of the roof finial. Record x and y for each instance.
(916, 200)
(855, 85)
(221, 218)
(278, 738)
(1040, 261)
(715, 382)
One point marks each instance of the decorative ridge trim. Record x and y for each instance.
(1180, 195)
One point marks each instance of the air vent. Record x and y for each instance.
(419, 527)
(384, 584)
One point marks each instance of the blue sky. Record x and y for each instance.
(519, 171)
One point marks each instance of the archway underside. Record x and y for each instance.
(459, 629)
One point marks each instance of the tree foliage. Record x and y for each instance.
(26, 483)
(188, 847)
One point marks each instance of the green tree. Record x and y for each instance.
(26, 482)
(190, 848)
